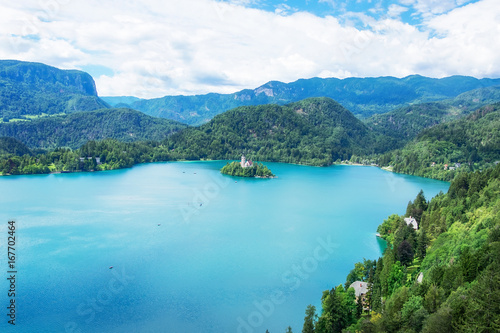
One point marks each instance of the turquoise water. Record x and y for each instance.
(230, 255)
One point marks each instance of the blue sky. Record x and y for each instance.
(153, 48)
(413, 12)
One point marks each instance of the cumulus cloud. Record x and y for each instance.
(430, 8)
(156, 48)
(396, 10)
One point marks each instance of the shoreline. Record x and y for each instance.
(389, 169)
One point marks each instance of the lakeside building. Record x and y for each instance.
(411, 221)
(360, 290)
(244, 163)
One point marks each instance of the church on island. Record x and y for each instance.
(244, 163)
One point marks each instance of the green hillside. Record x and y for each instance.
(34, 89)
(76, 129)
(11, 146)
(314, 131)
(404, 124)
(471, 141)
(456, 253)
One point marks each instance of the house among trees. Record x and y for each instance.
(244, 163)
(411, 221)
(360, 290)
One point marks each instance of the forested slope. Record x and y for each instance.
(456, 249)
(76, 129)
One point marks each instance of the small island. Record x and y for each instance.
(247, 169)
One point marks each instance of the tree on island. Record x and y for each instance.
(257, 170)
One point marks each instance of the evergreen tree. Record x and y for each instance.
(310, 319)
(359, 307)
(422, 243)
(405, 253)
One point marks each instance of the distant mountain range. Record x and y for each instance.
(362, 96)
(45, 107)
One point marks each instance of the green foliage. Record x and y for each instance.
(316, 131)
(76, 129)
(388, 228)
(460, 291)
(406, 123)
(339, 310)
(361, 272)
(93, 156)
(257, 170)
(35, 89)
(310, 319)
(11, 146)
(396, 278)
(447, 150)
(405, 253)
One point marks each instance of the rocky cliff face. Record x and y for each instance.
(32, 89)
(36, 75)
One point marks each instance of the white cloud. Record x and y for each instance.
(396, 10)
(197, 46)
(430, 8)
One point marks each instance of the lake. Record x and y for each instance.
(191, 250)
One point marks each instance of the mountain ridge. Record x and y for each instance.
(362, 96)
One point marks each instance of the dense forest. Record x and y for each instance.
(315, 131)
(93, 156)
(443, 277)
(75, 129)
(404, 124)
(444, 150)
(11, 146)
